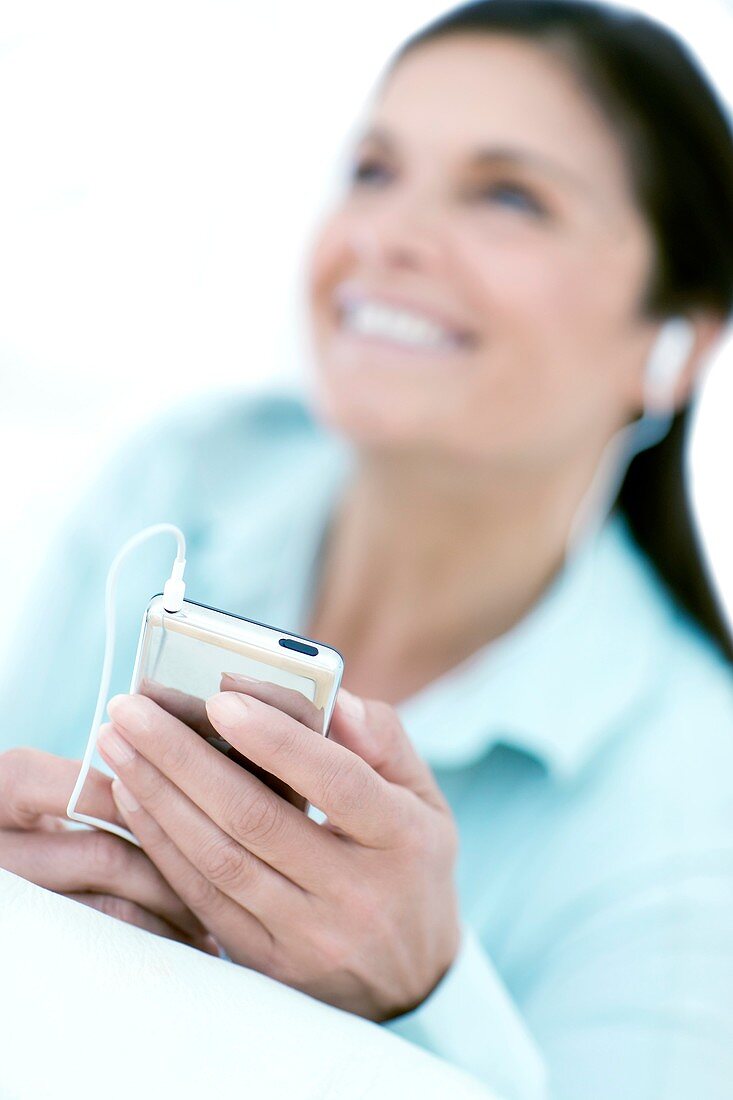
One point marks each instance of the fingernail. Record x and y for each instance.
(227, 707)
(129, 711)
(123, 798)
(114, 746)
(352, 705)
(239, 679)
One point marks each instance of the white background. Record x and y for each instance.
(163, 164)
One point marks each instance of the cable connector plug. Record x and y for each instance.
(175, 589)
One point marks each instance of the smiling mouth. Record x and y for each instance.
(396, 330)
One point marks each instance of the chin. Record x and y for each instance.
(366, 417)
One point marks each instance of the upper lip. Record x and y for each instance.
(347, 294)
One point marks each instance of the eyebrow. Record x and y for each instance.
(495, 154)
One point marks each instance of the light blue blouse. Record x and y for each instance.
(587, 756)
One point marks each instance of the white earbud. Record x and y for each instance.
(667, 360)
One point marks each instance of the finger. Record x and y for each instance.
(93, 861)
(221, 859)
(131, 913)
(332, 777)
(373, 730)
(287, 700)
(187, 708)
(244, 808)
(239, 931)
(191, 710)
(34, 783)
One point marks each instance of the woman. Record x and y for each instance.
(542, 187)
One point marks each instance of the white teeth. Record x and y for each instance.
(376, 319)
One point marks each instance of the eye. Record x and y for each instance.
(366, 170)
(515, 196)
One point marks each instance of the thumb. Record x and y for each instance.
(373, 731)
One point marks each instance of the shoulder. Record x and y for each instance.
(653, 805)
(687, 689)
(690, 702)
(195, 465)
(209, 446)
(669, 771)
(689, 736)
(654, 712)
(222, 427)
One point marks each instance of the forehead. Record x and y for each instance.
(451, 97)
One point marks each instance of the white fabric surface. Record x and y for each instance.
(90, 1006)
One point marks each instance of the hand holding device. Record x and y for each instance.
(180, 653)
(360, 912)
(185, 657)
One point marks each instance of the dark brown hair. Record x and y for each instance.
(679, 149)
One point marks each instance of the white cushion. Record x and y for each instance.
(90, 1006)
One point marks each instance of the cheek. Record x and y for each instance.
(556, 313)
(535, 357)
(537, 294)
(325, 263)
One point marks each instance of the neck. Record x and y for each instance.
(426, 561)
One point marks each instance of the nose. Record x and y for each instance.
(400, 236)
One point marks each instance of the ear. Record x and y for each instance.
(709, 329)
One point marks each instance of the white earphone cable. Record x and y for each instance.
(173, 594)
(666, 361)
(614, 463)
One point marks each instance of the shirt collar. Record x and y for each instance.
(565, 678)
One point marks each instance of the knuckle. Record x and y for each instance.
(287, 745)
(433, 841)
(408, 826)
(201, 895)
(107, 858)
(11, 759)
(150, 785)
(175, 755)
(412, 836)
(387, 731)
(388, 717)
(441, 837)
(14, 765)
(261, 824)
(224, 863)
(400, 825)
(345, 784)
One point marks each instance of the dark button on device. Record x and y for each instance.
(300, 647)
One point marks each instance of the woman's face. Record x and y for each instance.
(475, 291)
